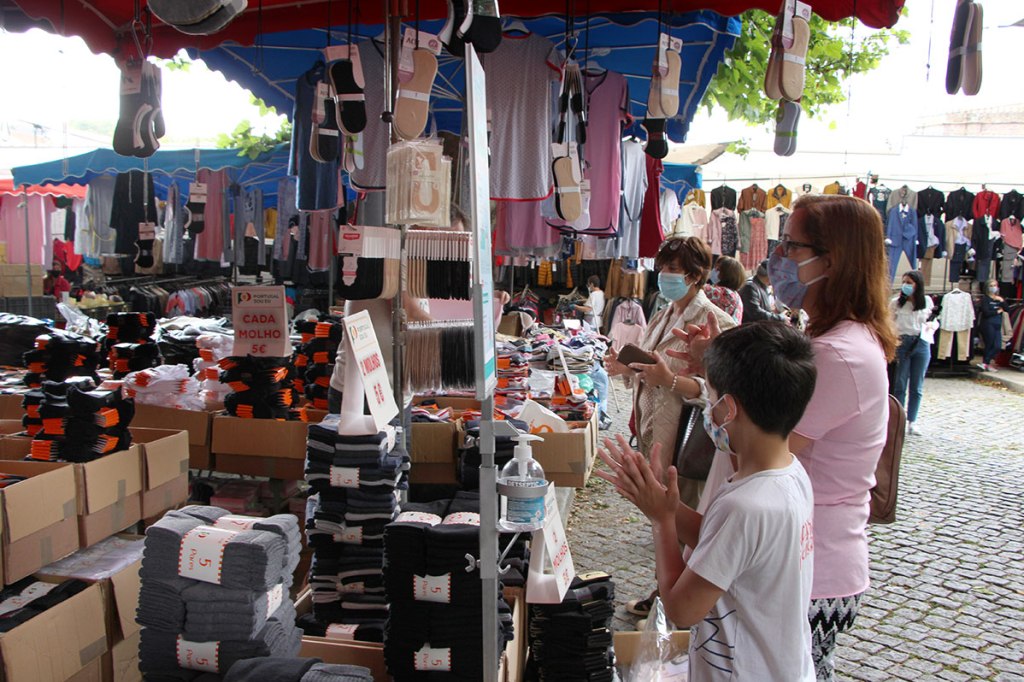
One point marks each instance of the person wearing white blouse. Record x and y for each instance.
(912, 311)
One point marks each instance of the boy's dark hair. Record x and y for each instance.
(594, 281)
(768, 367)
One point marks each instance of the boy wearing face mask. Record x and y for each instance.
(747, 585)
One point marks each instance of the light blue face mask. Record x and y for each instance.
(907, 289)
(785, 278)
(719, 436)
(714, 277)
(672, 286)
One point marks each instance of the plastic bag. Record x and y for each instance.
(657, 658)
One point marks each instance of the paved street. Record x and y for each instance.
(947, 595)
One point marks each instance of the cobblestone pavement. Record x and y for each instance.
(947, 595)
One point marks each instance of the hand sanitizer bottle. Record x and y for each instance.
(522, 487)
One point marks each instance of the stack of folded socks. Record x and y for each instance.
(513, 370)
(79, 422)
(166, 386)
(236, 609)
(573, 640)
(130, 345)
(27, 598)
(356, 482)
(314, 360)
(295, 670)
(59, 355)
(261, 388)
(212, 349)
(469, 453)
(433, 629)
(126, 358)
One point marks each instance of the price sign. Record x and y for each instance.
(260, 318)
(555, 544)
(364, 350)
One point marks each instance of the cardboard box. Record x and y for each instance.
(198, 425)
(59, 643)
(367, 654)
(10, 406)
(13, 282)
(513, 660)
(260, 447)
(626, 645)
(9, 427)
(109, 494)
(568, 458)
(121, 663)
(165, 462)
(92, 672)
(38, 515)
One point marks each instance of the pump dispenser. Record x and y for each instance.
(522, 487)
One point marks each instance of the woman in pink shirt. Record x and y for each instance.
(831, 263)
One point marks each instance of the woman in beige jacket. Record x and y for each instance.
(683, 265)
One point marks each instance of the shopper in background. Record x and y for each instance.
(911, 311)
(757, 300)
(683, 265)
(726, 279)
(593, 309)
(991, 311)
(831, 262)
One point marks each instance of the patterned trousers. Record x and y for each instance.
(828, 618)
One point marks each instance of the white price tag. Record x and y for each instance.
(203, 656)
(147, 231)
(341, 631)
(236, 522)
(418, 517)
(361, 340)
(463, 518)
(351, 536)
(344, 477)
(201, 556)
(435, 588)
(275, 597)
(429, 658)
(197, 192)
(352, 588)
(131, 79)
(428, 41)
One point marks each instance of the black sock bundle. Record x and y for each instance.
(126, 358)
(130, 345)
(355, 480)
(314, 360)
(79, 424)
(572, 640)
(432, 596)
(436, 356)
(368, 282)
(469, 452)
(27, 598)
(262, 388)
(59, 355)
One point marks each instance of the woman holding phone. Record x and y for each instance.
(683, 265)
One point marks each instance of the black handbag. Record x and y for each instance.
(695, 451)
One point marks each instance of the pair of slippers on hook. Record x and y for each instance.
(140, 121)
(197, 17)
(787, 65)
(964, 67)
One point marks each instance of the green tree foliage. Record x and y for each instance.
(247, 142)
(833, 56)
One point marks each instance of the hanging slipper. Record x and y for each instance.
(794, 61)
(654, 95)
(957, 43)
(195, 209)
(225, 14)
(325, 138)
(413, 101)
(578, 108)
(353, 152)
(482, 25)
(448, 35)
(972, 52)
(127, 139)
(786, 120)
(568, 201)
(657, 143)
(348, 95)
(147, 236)
(773, 74)
(669, 85)
(156, 98)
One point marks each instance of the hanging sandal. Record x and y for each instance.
(568, 199)
(324, 139)
(448, 34)
(482, 25)
(773, 74)
(347, 83)
(786, 119)
(957, 44)
(657, 144)
(414, 96)
(972, 52)
(794, 61)
(668, 89)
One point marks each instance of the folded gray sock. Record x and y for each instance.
(336, 672)
(285, 525)
(276, 669)
(252, 560)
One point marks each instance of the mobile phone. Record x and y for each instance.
(630, 354)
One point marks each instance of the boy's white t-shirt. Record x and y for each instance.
(756, 543)
(596, 304)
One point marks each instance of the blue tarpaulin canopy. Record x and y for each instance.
(166, 166)
(625, 43)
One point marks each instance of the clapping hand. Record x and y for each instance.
(697, 338)
(651, 486)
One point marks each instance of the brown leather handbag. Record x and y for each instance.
(887, 471)
(695, 450)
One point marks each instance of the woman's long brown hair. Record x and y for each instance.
(857, 288)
